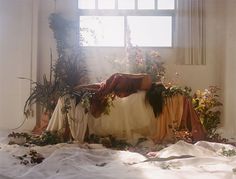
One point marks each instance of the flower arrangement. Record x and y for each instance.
(146, 62)
(136, 60)
(207, 105)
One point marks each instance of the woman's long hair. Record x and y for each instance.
(155, 98)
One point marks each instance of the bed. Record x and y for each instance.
(129, 118)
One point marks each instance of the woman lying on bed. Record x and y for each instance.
(123, 85)
(139, 110)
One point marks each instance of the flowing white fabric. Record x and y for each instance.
(76, 116)
(190, 32)
(57, 120)
(73, 161)
(130, 118)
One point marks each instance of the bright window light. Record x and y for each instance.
(166, 4)
(150, 31)
(113, 27)
(106, 4)
(102, 30)
(126, 4)
(86, 4)
(146, 4)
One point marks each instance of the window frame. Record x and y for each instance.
(125, 13)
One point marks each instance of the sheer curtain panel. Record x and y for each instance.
(190, 32)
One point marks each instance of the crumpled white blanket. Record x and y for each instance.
(73, 161)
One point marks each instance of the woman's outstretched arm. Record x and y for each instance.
(91, 87)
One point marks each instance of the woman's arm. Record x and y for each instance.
(119, 83)
(91, 87)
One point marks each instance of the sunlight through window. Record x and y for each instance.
(166, 4)
(144, 23)
(102, 31)
(150, 31)
(124, 4)
(106, 4)
(146, 4)
(86, 4)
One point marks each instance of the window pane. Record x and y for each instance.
(146, 4)
(166, 4)
(102, 30)
(106, 4)
(126, 4)
(86, 4)
(150, 31)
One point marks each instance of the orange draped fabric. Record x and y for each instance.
(169, 119)
(178, 113)
(191, 121)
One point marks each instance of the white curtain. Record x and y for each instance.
(190, 32)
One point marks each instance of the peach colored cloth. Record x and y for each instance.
(169, 119)
(191, 121)
(41, 126)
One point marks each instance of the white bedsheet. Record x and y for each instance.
(73, 161)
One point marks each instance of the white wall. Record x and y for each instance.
(45, 39)
(16, 60)
(230, 74)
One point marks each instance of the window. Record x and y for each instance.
(144, 23)
(158, 37)
(97, 31)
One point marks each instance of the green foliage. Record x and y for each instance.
(228, 153)
(67, 74)
(33, 157)
(47, 138)
(85, 100)
(44, 94)
(68, 71)
(109, 142)
(70, 67)
(17, 134)
(207, 106)
(61, 28)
